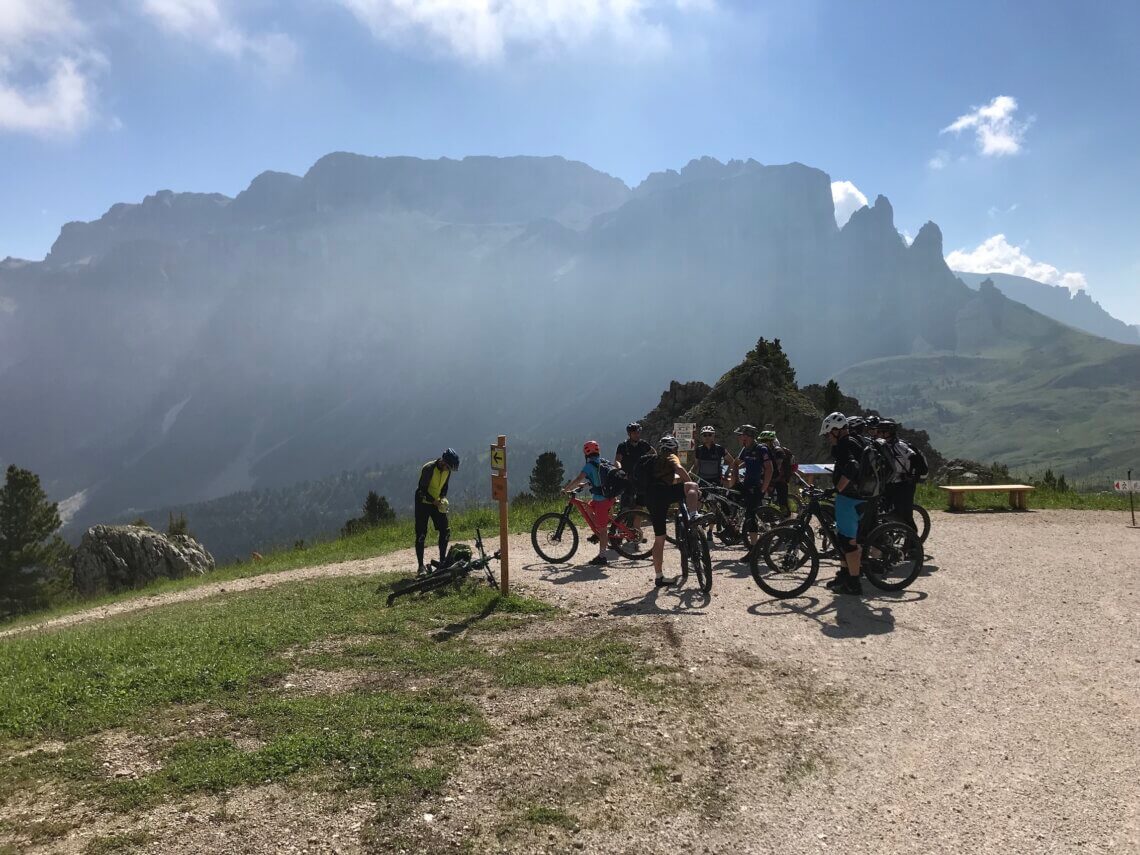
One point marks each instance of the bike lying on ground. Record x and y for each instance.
(693, 544)
(785, 560)
(443, 574)
(555, 537)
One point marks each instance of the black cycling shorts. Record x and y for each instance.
(658, 502)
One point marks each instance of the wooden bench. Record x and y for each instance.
(1018, 494)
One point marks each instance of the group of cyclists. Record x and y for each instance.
(760, 473)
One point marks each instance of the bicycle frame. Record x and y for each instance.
(583, 507)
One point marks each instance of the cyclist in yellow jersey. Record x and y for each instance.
(431, 502)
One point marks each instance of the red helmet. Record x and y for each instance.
(591, 447)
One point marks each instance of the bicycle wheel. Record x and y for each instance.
(632, 533)
(431, 582)
(784, 562)
(921, 520)
(554, 537)
(683, 548)
(892, 556)
(702, 561)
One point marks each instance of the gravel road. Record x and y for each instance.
(998, 698)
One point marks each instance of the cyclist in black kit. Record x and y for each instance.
(628, 453)
(711, 457)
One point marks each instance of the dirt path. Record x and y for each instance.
(998, 699)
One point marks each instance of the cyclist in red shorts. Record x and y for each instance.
(600, 506)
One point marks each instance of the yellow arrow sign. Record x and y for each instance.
(498, 458)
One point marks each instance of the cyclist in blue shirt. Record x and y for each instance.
(600, 506)
(756, 458)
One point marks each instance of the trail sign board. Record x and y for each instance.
(498, 458)
(498, 488)
(684, 431)
(1127, 486)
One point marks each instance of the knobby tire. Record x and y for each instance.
(541, 538)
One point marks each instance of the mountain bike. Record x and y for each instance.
(785, 560)
(441, 575)
(727, 515)
(555, 537)
(693, 544)
(885, 511)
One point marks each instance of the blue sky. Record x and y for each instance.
(1014, 126)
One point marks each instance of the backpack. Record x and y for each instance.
(875, 468)
(643, 472)
(457, 552)
(614, 480)
(919, 467)
(785, 464)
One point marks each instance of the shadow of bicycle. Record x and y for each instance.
(664, 601)
(854, 617)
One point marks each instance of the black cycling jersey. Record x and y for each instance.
(628, 453)
(709, 461)
(846, 454)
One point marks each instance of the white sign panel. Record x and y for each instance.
(1127, 486)
(684, 431)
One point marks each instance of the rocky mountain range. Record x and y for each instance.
(376, 309)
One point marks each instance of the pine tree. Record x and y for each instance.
(831, 396)
(32, 557)
(547, 476)
(177, 526)
(1062, 484)
(377, 510)
(1049, 480)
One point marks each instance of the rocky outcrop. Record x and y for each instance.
(676, 401)
(118, 557)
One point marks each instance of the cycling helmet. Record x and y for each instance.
(591, 447)
(747, 430)
(708, 430)
(668, 444)
(767, 435)
(888, 426)
(871, 421)
(856, 424)
(835, 421)
(450, 458)
(632, 426)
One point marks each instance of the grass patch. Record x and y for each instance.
(126, 842)
(227, 656)
(541, 815)
(932, 498)
(368, 544)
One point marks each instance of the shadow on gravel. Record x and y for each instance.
(565, 574)
(656, 601)
(855, 617)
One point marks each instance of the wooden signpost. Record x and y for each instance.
(1129, 486)
(499, 494)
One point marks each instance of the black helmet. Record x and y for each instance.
(871, 422)
(668, 444)
(450, 458)
(632, 426)
(888, 425)
(747, 430)
(856, 423)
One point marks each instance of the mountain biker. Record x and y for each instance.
(899, 491)
(711, 457)
(670, 483)
(431, 503)
(756, 459)
(781, 468)
(627, 455)
(845, 451)
(600, 506)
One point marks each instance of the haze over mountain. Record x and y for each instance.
(376, 309)
(1075, 308)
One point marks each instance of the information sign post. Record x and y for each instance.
(499, 494)
(683, 432)
(1128, 487)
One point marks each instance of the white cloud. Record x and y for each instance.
(481, 30)
(206, 22)
(998, 133)
(46, 68)
(997, 255)
(848, 199)
(940, 159)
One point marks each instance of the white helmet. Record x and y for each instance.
(836, 421)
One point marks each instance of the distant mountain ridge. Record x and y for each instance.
(1077, 309)
(194, 345)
